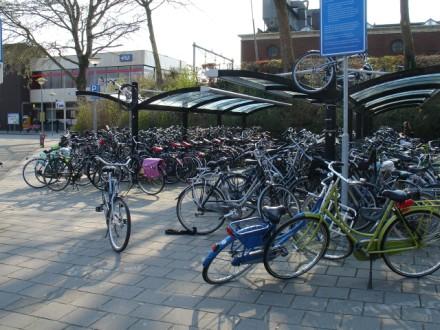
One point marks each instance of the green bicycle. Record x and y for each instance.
(407, 236)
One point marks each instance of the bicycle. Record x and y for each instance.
(116, 211)
(405, 236)
(242, 248)
(313, 73)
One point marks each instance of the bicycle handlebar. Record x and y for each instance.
(339, 175)
(113, 164)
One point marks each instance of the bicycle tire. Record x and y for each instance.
(32, 173)
(278, 260)
(116, 222)
(205, 218)
(275, 195)
(412, 263)
(310, 77)
(151, 186)
(57, 174)
(220, 269)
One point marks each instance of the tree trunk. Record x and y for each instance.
(159, 78)
(81, 79)
(408, 44)
(287, 54)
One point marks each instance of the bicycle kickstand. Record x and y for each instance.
(370, 275)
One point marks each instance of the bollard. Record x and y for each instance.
(42, 136)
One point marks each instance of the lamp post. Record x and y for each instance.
(94, 61)
(41, 81)
(52, 94)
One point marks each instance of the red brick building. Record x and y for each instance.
(382, 40)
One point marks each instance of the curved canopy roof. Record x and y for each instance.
(412, 88)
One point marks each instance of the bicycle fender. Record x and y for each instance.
(220, 245)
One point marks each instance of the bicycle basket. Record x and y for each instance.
(250, 232)
(152, 167)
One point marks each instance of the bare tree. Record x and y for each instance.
(286, 46)
(81, 27)
(408, 43)
(149, 6)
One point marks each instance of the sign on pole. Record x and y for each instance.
(344, 32)
(13, 118)
(343, 27)
(59, 105)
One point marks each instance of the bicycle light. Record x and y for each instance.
(214, 247)
(229, 231)
(405, 204)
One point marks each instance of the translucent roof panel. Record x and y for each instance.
(247, 109)
(223, 105)
(395, 103)
(184, 100)
(402, 95)
(397, 84)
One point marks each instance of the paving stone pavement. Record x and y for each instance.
(57, 271)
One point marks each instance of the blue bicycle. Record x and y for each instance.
(251, 241)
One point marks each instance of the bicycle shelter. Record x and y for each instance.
(403, 89)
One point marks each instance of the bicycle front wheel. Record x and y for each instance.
(295, 247)
(33, 172)
(199, 207)
(57, 174)
(119, 225)
(225, 266)
(313, 73)
(420, 256)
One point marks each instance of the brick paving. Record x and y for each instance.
(57, 271)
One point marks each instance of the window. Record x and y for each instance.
(397, 46)
(273, 52)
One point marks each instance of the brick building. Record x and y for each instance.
(382, 40)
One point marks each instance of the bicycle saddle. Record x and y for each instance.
(401, 174)
(274, 213)
(108, 169)
(400, 195)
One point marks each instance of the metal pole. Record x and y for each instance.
(95, 124)
(345, 135)
(65, 119)
(51, 119)
(257, 57)
(194, 57)
(42, 111)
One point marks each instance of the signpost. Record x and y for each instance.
(62, 105)
(344, 32)
(95, 88)
(1, 52)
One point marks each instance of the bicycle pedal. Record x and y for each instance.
(99, 208)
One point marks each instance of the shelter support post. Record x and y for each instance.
(330, 131)
(219, 120)
(358, 125)
(185, 124)
(243, 122)
(134, 111)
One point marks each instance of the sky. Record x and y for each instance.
(216, 24)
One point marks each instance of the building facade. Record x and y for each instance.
(58, 92)
(382, 41)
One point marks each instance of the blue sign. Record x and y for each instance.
(125, 57)
(95, 88)
(343, 27)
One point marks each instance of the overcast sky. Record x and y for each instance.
(216, 24)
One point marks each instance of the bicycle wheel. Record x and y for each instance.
(186, 169)
(339, 246)
(57, 174)
(33, 172)
(313, 73)
(221, 268)
(170, 169)
(201, 206)
(274, 195)
(295, 247)
(421, 257)
(119, 225)
(151, 186)
(234, 188)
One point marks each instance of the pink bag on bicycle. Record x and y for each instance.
(152, 167)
